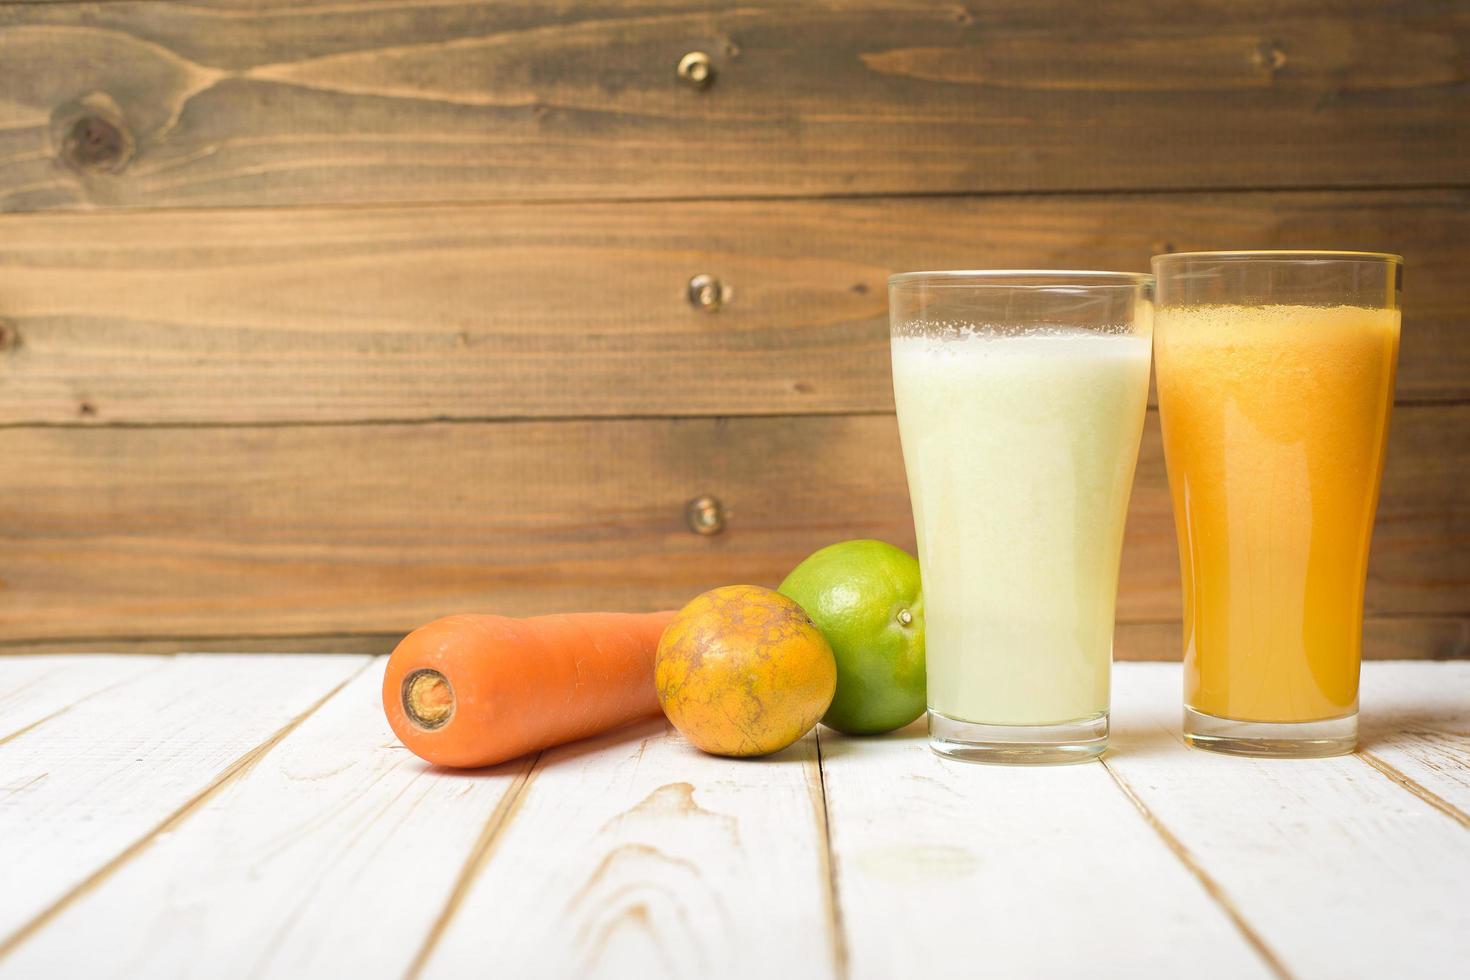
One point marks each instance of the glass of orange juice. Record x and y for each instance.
(1275, 376)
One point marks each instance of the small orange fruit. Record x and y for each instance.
(744, 671)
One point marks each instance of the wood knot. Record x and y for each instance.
(93, 143)
(9, 335)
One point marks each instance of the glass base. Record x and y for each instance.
(1286, 740)
(1019, 745)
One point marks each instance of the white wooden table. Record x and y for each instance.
(252, 816)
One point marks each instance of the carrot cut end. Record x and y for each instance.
(428, 699)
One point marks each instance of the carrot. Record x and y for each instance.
(469, 691)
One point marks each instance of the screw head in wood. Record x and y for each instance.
(705, 515)
(1269, 57)
(706, 293)
(696, 69)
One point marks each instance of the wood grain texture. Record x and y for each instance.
(330, 851)
(376, 528)
(34, 690)
(635, 854)
(1275, 837)
(83, 790)
(330, 857)
(1410, 637)
(539, 311)
(242, 102)
(1415, 724)
(952, 870)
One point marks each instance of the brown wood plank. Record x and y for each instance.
(265, 315)
(1384, 638)
(220, 102)
(158, 532)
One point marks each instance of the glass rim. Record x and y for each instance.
(1287, 255)
(1015, 279)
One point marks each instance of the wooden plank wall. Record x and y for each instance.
(319, 319)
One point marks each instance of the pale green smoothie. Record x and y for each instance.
(1020, 453)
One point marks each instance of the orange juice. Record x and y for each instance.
(1275, 420)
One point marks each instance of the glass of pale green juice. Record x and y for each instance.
(1021, 398)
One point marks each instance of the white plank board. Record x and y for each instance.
(35, 688)
(332, 856)
(337, 853)
(80, 790)
(1340, 871)
(635, 855)
(1415, 719)
(952, 869)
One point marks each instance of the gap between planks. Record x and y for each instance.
(1413, 786)
(385, 421)
(500, 818)
(229, 774)
(1211, 887)
(12, 736)
(1218, 894)
(132, 210)
(470, 419)
(829, 865)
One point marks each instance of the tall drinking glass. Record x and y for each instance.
(1021, 398)
(1275, 377)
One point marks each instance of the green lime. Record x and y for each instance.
(866, 599)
